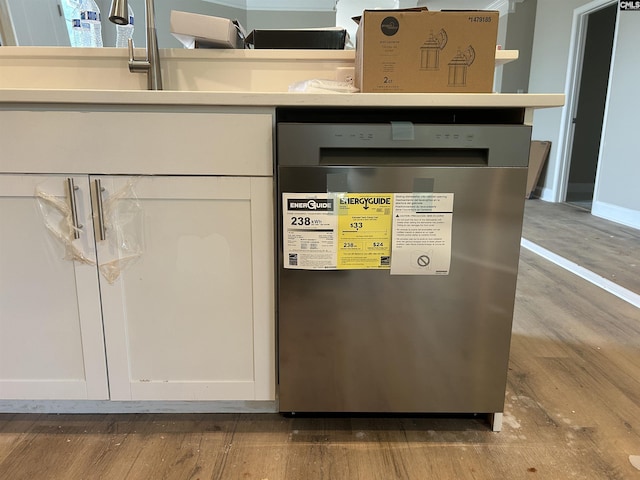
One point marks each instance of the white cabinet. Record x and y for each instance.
(51, 343)
(190, 319)
(193, 317)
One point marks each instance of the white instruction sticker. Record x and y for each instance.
(421, 238)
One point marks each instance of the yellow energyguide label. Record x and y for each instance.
(364, 230)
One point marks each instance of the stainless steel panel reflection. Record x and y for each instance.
(366, 341)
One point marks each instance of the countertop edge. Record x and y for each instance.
(276, 99)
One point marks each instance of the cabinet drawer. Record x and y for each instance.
(137, 142)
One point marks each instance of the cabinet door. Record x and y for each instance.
(51, 343)
(192, 318)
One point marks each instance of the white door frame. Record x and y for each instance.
(572, 87)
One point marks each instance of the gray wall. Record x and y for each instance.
(163, 13)
(616, 196)
(519, 36)
(288, 19)
(37, 22)
(549, 65)
(502, 39)
(617, 184)
(549, 61)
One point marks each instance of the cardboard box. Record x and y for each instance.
(312, 39)
(204, 31)
(416, 50)
(538, 154)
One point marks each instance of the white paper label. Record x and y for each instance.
(309, 233)
(421, 237)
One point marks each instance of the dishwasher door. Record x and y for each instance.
(367, 341)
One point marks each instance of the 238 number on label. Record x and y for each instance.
(300, 221)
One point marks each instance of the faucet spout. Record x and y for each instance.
(151, 65)
(153, 55)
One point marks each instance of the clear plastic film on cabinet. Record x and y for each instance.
(119, 225)
(118, 221)
(58, 202)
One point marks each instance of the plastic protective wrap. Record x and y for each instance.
(124, 228)
(322, 86)
(122, 217)
(58, 219)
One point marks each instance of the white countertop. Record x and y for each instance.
(213, 77)
(273, 99)
(205, 54)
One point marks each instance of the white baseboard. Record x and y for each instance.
(548, 195)
(614, 213)
(107, 406)
(598, 280)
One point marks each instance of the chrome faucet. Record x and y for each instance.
(119, 15)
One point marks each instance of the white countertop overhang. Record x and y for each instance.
(276, 99)
(214, 77)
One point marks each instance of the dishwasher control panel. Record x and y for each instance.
(501, 145)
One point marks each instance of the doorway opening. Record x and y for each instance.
(595, 45)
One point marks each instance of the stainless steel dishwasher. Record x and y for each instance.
(415, 313)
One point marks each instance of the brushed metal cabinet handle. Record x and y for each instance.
(102, 233)
(72, 187)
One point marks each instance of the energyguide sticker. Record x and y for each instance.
(407, 233)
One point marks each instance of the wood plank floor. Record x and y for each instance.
(572, 412)
(609, 249)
